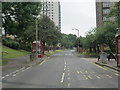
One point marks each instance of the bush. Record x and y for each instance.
(11, 43)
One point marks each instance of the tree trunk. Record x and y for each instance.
(48, 48)
(94, 49)
(90, 49)
(43, 48)
(112, 48)
(98, 50)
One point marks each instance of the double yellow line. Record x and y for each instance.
(106, 69)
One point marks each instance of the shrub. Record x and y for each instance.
(11, 43)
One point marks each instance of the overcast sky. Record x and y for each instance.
(78, 14)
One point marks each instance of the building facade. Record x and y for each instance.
(102, 11)
(52, 9)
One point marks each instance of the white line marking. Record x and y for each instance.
(7, 75)
(62, 79)
(64, 68)
(23, 70)
(10, 73)
(42, 62)
(3, 77)
(13, 72)
(14, 75)
(29, 67)
(17, 70)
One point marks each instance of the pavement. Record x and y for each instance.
(110, 64)
(19, 62)
(63, 70)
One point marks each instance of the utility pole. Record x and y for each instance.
(78, 37)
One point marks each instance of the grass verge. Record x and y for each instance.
(90, 54)
(52, 52)
(12, 53)
(8, 53)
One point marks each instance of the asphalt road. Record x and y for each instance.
(62, 70)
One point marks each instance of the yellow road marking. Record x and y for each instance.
(109, 76)
(89, 77)
(85, 77)
(98, 77)
(116, 74)
(106, 69)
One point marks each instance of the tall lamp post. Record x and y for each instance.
(36, 39)
(78, 37)
(36, 22)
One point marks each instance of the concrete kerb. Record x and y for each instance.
(106, 65)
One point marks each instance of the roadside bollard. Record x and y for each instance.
(103, 57)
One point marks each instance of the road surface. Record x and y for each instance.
(62, 70)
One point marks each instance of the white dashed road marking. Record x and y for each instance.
(62, 79)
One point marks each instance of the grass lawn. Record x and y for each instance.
(12, 53)
(52, 52)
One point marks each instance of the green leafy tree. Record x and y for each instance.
(18, 16)
(106, 35)
(19, 20)
(48, 32)
(68, 41)
(116, 12)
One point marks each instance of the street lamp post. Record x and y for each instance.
(78, 37)
(36, 39)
